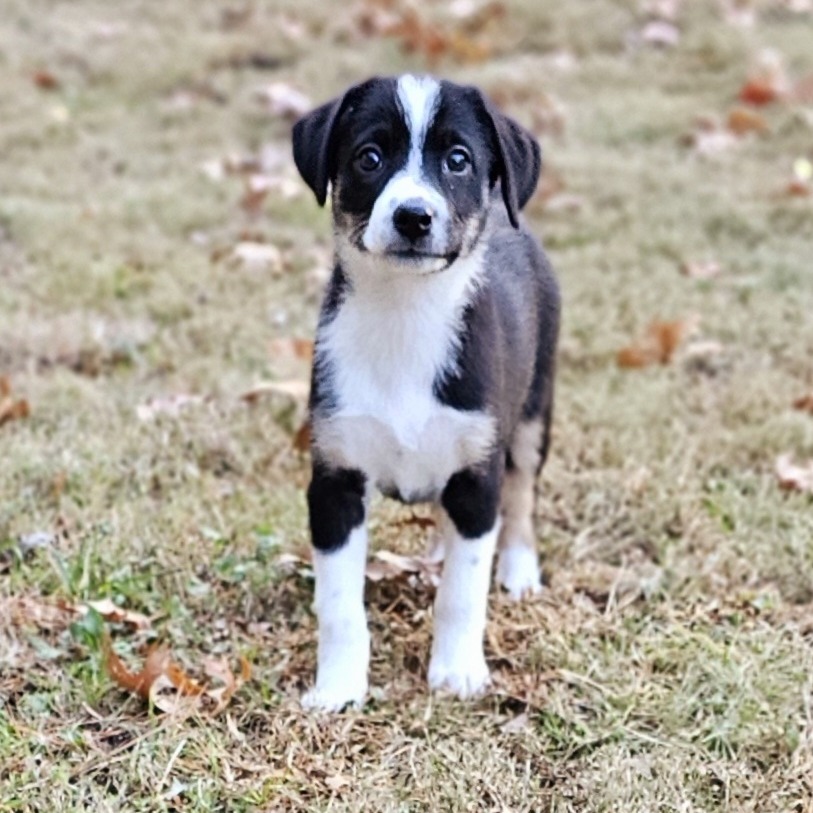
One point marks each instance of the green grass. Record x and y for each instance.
(668, 666)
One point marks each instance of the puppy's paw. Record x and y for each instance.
(518, 572)
(464, 677)
(334, 696)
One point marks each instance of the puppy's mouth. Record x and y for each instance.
(414, 255)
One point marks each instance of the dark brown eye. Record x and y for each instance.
(458, 160)
(369, 159)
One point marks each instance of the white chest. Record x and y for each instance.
(384, 356)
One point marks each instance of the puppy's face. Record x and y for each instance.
(412, 162)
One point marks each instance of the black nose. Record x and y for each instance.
(412, 220)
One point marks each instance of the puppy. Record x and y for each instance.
(434, 361)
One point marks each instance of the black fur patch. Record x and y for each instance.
(472, 498)
(335, 505)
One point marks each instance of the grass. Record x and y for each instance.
(668, 666)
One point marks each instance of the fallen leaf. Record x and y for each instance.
(793, 477)
(700, 269)
(289, 348)
(111, 611)
(517, 724)
(140, 682)
(768, 81)
(742, 120)
(46, 80)
(386, 564)
(285, 101)
(713, 141)
(259, 186)
(429, 40)
(660, 33)
(255, 256)
(800, 183)
(302, 438)
(169, 688)
(658, 344)
(171, 405)
(297, 389)
(804, 403)
(11, 409)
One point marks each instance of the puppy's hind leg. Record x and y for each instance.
(518, 563)
(440, 536)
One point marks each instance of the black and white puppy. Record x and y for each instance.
(434, 362)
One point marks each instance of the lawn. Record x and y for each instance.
(160, 273)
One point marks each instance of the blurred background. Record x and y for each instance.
(161, 267)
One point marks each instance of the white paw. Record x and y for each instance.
(464, 678)
(335, 696)
(518, 572)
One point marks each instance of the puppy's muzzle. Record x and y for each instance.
(413, 220)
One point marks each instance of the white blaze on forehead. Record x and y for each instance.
(418, 96)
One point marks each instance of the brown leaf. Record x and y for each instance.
(427, 39)
(804, 403)
(11, 409)
(793, 477)
(168, 687)
(45, 80)
(768, 81)
(658, 344)
(302, 438)
(287, 348)
(140, 682)
(741, 120)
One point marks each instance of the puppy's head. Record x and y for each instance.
(411, 163)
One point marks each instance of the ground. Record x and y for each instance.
(668, 666)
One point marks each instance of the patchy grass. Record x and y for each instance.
(669, 665)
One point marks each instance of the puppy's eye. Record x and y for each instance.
(458, 160)
(369, 158)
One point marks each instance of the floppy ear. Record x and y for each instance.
(519, 162)
(312, 137)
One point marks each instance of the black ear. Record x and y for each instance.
(519, 162)
(312, 137)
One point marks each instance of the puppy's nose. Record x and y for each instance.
(412, 219)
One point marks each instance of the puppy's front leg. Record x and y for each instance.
(458, 662)
(336, 504)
